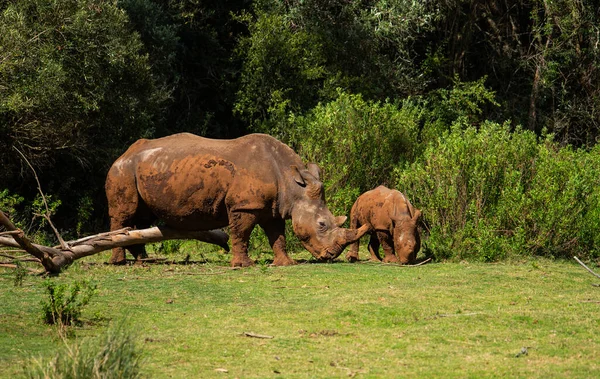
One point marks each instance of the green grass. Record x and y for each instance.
(327, 320)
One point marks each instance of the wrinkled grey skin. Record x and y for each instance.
(195, 183)
(393, 224)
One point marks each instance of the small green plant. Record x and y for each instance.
(169, 247)
(20, 273)
(44, 207)
(8, 204)
(65, 303)
(114, 354)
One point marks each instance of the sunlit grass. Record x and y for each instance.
(328, 320)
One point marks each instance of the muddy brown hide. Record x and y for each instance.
(393, 223)
(194, 183)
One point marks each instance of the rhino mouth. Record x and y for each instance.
(330, 253)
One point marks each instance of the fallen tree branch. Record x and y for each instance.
(55, 258)
(586, 267)
(21, 241)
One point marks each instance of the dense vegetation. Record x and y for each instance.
(485, 113)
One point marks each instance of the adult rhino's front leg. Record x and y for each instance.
(241, 225)
(275, 231)
(352, 255)
(387, 245)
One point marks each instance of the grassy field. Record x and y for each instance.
(327, 320)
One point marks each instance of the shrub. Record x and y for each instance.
(169, 247)
(357, 143)
(112, 355)
(490, 193)
(66, 302)
(561, 217)
(8, 202)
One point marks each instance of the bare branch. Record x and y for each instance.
(586, 267)
(9, 232)
(63, 245)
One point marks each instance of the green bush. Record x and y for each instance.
(488, 193)
(66, 302)
(440, 109)
(8, 202)
(561, 217)
(112, 355)
(356, 143)
(169, 247)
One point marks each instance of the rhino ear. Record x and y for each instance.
(315, 170)
(340, 220)
(297, 175)
(417, 215)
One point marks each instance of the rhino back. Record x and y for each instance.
(190, 181)
(376, 206)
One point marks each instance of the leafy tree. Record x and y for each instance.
(299, 52)
(75, 89)
(190, 48)
(540, 57)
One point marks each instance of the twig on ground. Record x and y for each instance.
(458, 314)
(196, 273)
(418, 264)
(586, 267)
(254, 335)
(397, 264)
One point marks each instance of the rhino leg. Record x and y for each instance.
(275, 231)
(126, 209)
(118, 253)
(122, 196)
(352, 255)
(374, 248)
(388, 247)
(240, 226)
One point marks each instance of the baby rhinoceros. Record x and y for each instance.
(393, 225)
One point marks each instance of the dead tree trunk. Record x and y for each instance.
(55, 258)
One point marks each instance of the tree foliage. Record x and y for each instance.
(74, 86)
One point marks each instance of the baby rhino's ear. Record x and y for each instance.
(315, 170)
(340, 220)
(416, 215)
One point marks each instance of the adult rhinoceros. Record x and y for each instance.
(195, 183)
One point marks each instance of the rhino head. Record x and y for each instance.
(314, 225)
(407, 240)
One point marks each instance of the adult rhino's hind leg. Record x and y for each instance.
(123, 203)
(240, 228)
(275, 231)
